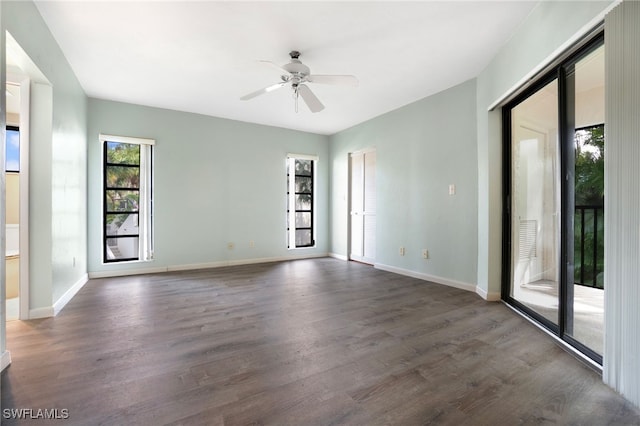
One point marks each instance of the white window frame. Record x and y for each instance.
(145, 207)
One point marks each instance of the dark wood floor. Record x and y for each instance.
(311, 342)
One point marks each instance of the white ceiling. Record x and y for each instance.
(13, 98)
(202, 56)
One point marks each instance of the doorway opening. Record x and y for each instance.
(21, 77)
(12, 205)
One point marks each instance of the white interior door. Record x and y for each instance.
(363, 206)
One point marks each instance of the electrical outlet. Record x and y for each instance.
(425, 253)
(230, 246)
(452, 189)
(401, 251)
(252, 244)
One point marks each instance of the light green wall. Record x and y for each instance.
(548, 29)
(40, 196)
(58, 163)
(421, 149)
(215, 181)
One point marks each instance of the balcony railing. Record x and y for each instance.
(589, 246)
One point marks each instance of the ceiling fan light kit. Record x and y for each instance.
(297, 74)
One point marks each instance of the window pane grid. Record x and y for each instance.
(300, 202)
(123, 195)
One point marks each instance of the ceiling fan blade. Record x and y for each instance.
(263, 91)
(310, 99)
(276, 66)
(341, 80)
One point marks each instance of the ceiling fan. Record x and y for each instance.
(297, 74)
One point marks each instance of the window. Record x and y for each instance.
(300, 197)
(128, 197)
(12, 159)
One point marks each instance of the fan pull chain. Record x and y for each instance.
(295, 95)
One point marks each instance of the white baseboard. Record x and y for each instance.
(338, 256)
(41, 312)
(274, 259)
(68, 295)
(52, 311)
(125, 272)
(5, 360)
(196, 266)
(489, 297)
(422, 276)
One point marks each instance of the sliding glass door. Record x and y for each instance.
(535, 195)
(554, 193)
(585, 114)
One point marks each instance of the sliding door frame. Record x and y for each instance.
(563, 72)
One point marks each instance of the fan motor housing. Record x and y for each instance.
(296, 67)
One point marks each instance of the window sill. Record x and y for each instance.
(128, 262)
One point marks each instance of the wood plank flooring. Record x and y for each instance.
(309, 342)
